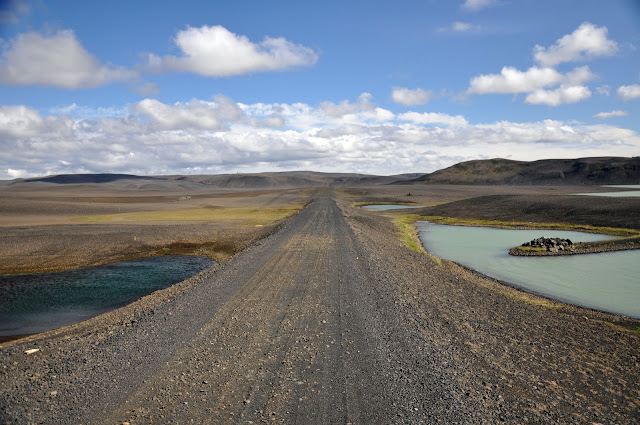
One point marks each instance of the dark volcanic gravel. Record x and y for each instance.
(329, 320)
(591, 210)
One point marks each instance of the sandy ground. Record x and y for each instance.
(54, 227)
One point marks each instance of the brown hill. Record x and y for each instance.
(581, 171)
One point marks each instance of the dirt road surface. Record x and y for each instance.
(329, 320)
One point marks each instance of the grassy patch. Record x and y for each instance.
(522, 225)
(409, 234)
(249, 216)
(408, 231)
(623, 327)
(530, 249)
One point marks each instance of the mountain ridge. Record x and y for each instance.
(579, 171)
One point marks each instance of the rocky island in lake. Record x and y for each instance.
(543, 246)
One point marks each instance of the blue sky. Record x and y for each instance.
(352, 86)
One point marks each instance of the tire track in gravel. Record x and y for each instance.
(301, 328)
(277, 349)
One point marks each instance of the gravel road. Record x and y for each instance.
(328, 320)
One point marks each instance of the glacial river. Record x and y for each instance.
(39, 302)
(605, 281)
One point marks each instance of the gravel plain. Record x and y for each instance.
(330, 319)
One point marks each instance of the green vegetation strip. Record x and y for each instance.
(250, 216)
(524, 225)
(408, 231)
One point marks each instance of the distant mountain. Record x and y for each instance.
(294, 179)
(83, 178)
(279, 180)
(582, 171)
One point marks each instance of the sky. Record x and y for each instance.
(376, 87)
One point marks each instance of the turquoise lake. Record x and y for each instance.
(622, 194)
(605, 281)
(38, 302)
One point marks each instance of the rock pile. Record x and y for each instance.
(551, 244)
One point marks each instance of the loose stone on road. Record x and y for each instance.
(329, 320)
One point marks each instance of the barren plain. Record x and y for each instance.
(317, 313)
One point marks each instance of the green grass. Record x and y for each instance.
(521, 225)
(409, 234)
(249, 216)
(408, 231)
(530, 249)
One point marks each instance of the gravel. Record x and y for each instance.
(329, 320)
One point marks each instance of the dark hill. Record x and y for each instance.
(85, 178)
(582, 171)
(272, 180)
(590, 210)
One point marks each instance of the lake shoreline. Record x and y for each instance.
(611, 245)
(486, 253)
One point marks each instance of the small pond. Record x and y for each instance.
(606, 281)
(31, 303)
(389, 207)
(620, 194)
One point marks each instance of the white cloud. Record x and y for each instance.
(607, 115)
(217, 52)
(433, 118)
(461, 26)
(561, 95)
(629, 92)
(362, 110)
(410, 97)
(586, 42)
(200, 137)
(537, 83)
(195, 114)
(604, 90)
(20, 121)
(579, 75)
(475, 5)
(512, 80)
(57, 60)
(86, 112)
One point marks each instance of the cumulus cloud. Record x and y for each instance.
(433, 118)
(21, 121)
(57, 60)
(537, 82)
(411, 97)
(579, 75)
(195, 114)
(607, 115)
(604, 90)
(362, 110)
(586, 42)
(200, 137)
(629, 92)
(475, 5)
(217, 52)
(563, 94)
(512, 80)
